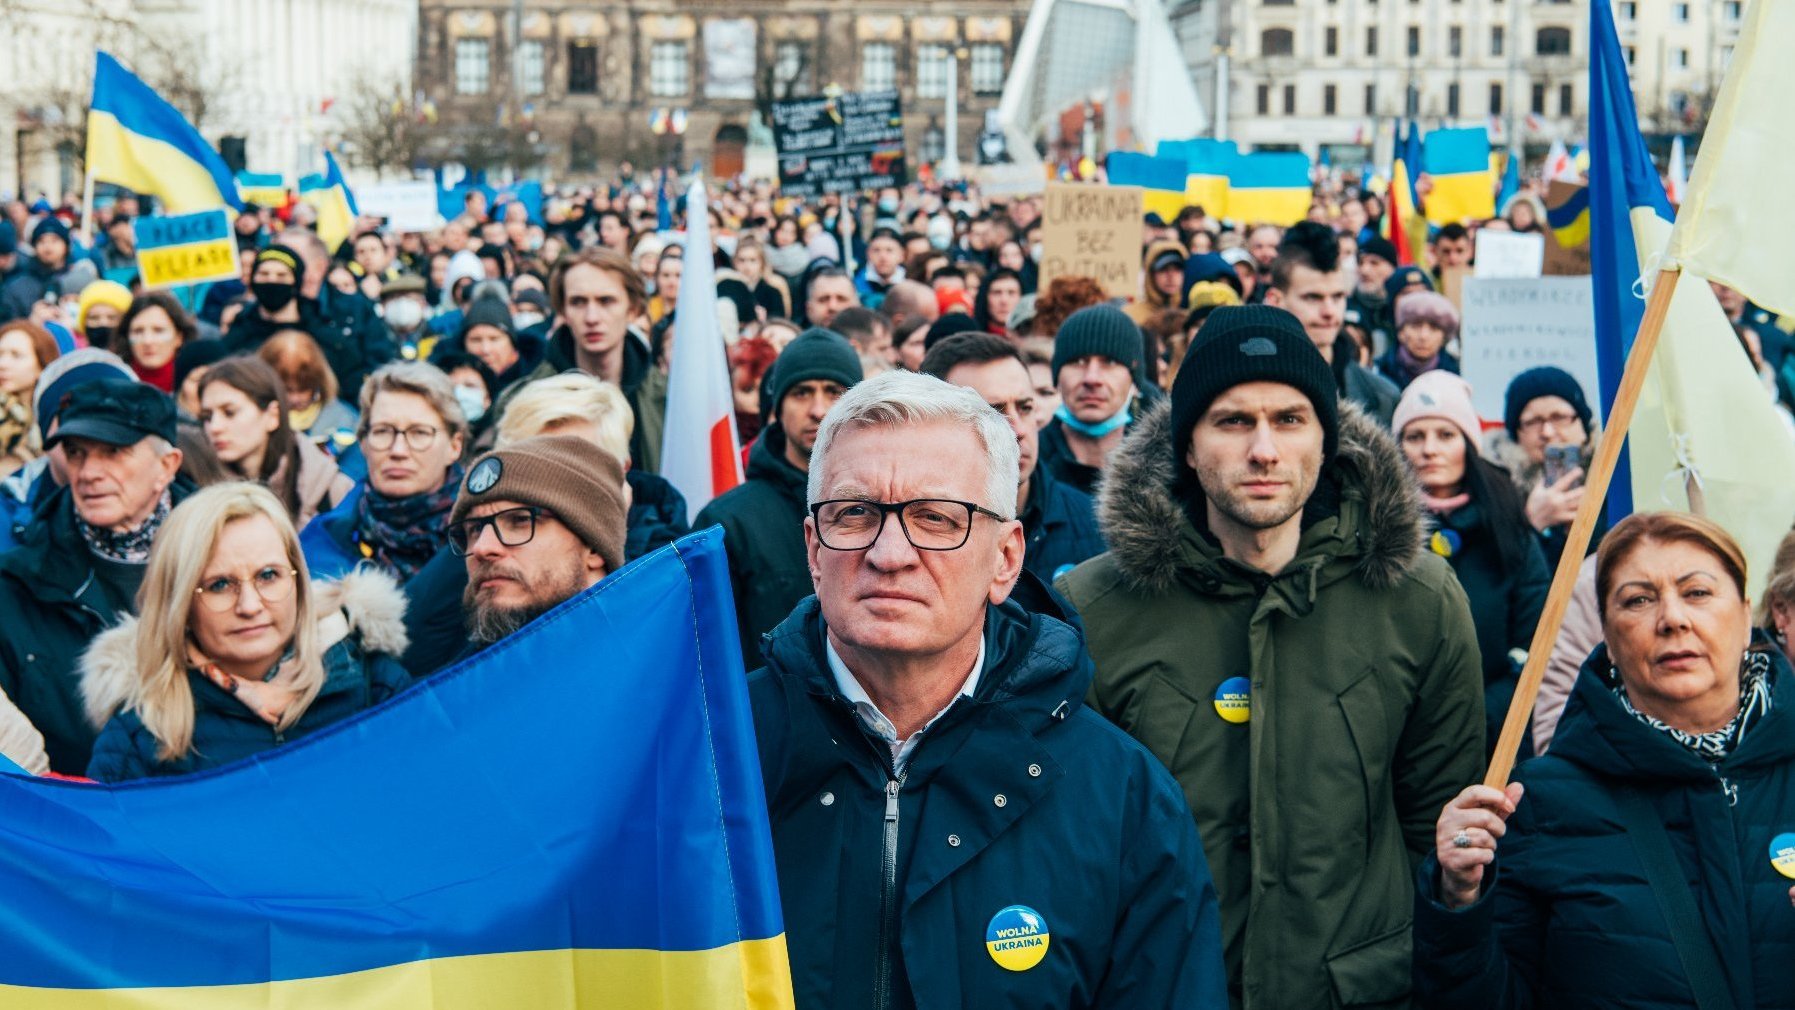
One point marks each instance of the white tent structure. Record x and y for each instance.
(1122, 53)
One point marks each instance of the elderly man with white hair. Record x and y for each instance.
(952, 826)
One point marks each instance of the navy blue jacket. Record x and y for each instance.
(1059, 526)
(1570, 920)
(763, 534)
(1019, 796)
(328, 541)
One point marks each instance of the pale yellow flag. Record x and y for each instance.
(1737, 224)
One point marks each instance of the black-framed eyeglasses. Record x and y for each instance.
(419, 436)
(930, 524)
(514, 528)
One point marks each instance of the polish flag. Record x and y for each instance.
(699, 451)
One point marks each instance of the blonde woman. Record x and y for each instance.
(236, 650)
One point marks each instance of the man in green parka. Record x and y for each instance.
(1267, 623)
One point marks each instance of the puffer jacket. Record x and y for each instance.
(361, 670)
(1019, 809)
(1318, 719)
(763, 533)
(1568, 918)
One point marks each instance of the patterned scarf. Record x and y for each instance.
(269, 698)
(401, 534)
(132, 547)
(1713, 746)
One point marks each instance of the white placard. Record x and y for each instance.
(1509, 254)
(1510, 326)
(407, 206)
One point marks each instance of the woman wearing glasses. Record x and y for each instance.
(236, 650)
(412, 430)
(1549, 438)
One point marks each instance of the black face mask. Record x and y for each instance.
(99, 336)
(273, 295)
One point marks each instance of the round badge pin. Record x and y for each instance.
(1233, 700)
(1782, 854)
(485, 475)
(1017, 938)
(1445, 543)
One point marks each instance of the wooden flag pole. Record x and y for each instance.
(1639, 362)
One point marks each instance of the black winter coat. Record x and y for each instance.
(1059, 526)
(355, 341)
(1570, 920)
(763, 534)
(1019, 796)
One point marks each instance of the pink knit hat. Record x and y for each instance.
(1440, 394)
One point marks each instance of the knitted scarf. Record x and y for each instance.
(1713, 746)
(401, 534)
(131, 547)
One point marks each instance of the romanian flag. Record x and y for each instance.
(137, 140)
(328, 192)
(1464, 188)
(1705, 435)
(1402, 215)
(1270, 187)
(1161, 179)
(1207, 164)
(700, 451)
(573, 818)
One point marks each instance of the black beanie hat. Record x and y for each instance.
(487, 311)
(1542, 381)
(815, 354)
(1380, 247)
(1098, 329)
(198, 354)
(947, 326)
(1251, 343)
(285, 256)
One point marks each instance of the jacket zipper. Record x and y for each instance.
(887, 895)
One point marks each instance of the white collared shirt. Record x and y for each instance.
(875, 720)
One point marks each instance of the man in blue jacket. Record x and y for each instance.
(952, 827)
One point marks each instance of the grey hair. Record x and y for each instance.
(419, 379)
(904, 398)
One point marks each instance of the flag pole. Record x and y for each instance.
(1620, 417)
(87, 205)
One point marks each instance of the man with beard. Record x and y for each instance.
(538, 522)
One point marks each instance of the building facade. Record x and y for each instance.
(572, 89)
(48, 48)
(1677, 51)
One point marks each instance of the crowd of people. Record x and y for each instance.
(1107, 652)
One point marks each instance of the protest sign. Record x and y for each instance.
(185, 248)
(1512, 325)
(841, 144)
(1503, 254)
(1093, 231)
(407, 206)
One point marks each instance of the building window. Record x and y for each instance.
(582, 67)
(1277, 42)
(1629, 53)
(1329, 100)
(987, 68)
(1495, 99)
(1455, 42)
(1452, 101)
(934, 144)
(1628, 10)
(1679, 58)
(1332, 44)
(1539, 99)
(529, 67)
(1553, 42)
(473, 66)
(1731, 9)
(1413, 106)
(669, 70)
(931, 71)
(791, 68)
(1289, 99)
(878, 66)
(1498, 38)
(1565, 94)
(1371, 41)
(1679, 13)
(1370, 99)
(1414, 41)
(1262, 100)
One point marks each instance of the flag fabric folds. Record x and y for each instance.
(700, 454)
(1734, 225)
(572, 818)
(1162, 180)
(269, 189)
(1269, 187)
(328, 192)
(1458, 162)
(1737, 457)
(1678, 185)
(137, 140)
(1206, 165)
(1511, 181)
(1569, 219)
(1402, 210)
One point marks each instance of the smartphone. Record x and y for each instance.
(1560, 460)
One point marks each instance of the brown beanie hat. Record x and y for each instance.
(565, 474)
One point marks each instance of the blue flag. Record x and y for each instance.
(1511, 181)
(572, 818)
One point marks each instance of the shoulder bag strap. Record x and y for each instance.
(1671, 887)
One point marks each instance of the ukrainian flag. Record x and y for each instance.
(1207, 163)
(1569, 220)
(328, 192)
(1464, 188)
(1161, 180)
(1403, 224)
(1269, 187)
(268, 189)
(572, 818)
(138, 141)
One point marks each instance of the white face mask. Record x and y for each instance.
(524, 320)
(404, 313)
(473, 402)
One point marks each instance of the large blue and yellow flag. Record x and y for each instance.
(1706, 434)
(328, 192)
(572, 818)
(1207, 163)
(1161, 178)
(1464, 188)
(137, 140)
(1270, 187)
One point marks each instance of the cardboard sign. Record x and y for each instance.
(1510, 326)
(407, 206)
(844, 144)
(185, 248)
(1093, 231)
(1507, 254)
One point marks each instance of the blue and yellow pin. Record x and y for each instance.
(1017, 938)
(1234, 700)
(1445, 543)
(1782, 854)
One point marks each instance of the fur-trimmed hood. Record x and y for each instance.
(1507, 453)
(366, 603)
(1146, 526)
